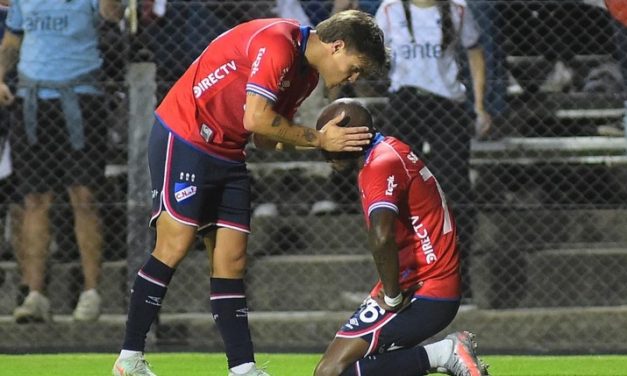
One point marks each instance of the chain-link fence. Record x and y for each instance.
(538, 185)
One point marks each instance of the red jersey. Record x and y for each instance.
(205, 106)
(393, 177)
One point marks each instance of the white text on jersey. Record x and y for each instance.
(257, 61)
(425, 241)
(214, 77)
(391, 186)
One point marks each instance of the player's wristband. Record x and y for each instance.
(393, 302)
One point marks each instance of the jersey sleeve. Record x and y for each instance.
(384, 183)
(14, 21)
(272, 54)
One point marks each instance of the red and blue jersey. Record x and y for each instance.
(393, 177)
(205, 107)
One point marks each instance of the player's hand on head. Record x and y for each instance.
(335, 138)
(6, 97)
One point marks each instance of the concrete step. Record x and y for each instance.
(534, 228)
(65, 281)
(527, 331)
(588, 276)
(310, 282)
(576, 277)
(308, 234)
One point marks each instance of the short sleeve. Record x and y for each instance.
(383, 185)
(380, 18)
(272, 55)
(469, 32)
(14, 18)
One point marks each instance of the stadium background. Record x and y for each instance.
(549, 257)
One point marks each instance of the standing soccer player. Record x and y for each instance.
(412, 236)
(249, 80)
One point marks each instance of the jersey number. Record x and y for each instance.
(426, 175)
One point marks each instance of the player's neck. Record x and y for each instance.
(315, 50)
(423, 3)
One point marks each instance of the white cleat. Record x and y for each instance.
(463, 360)
(134, 365)
(253, 372)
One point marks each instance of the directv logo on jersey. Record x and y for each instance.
(425, 240)
(183, 191)
(214, 77)
(255, 67)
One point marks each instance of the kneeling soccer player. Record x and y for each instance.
(412, 236)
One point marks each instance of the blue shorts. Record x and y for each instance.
(386, 331)
(194, 187)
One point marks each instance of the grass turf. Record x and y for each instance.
(192, 364)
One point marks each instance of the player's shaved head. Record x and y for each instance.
(357, 115)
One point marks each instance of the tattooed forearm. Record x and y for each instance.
(310, 136)
(282, 133)
(267, 104)
(276, 121)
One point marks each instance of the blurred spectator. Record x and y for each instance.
(59, 136)
(427, 100)
(10, 210)
(551, 29)
(488, 15)
(177, 31)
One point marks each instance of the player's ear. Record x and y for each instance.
(337, 46)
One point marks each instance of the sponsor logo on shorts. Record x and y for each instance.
(183, 191)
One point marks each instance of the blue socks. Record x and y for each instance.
(228, 305)
(406, 362)
(147, 294)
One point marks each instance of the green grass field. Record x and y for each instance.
(192, 364)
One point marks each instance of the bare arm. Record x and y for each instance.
(476, 61)
(382, 241)
(111, 10)
(260, 118)
(9, 54)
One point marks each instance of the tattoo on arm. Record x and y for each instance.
(282, 132)
(276, 121)
(310, 136)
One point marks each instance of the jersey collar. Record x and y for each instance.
(304, 38)
(377, 139)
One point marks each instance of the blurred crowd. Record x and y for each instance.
(452, 73)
